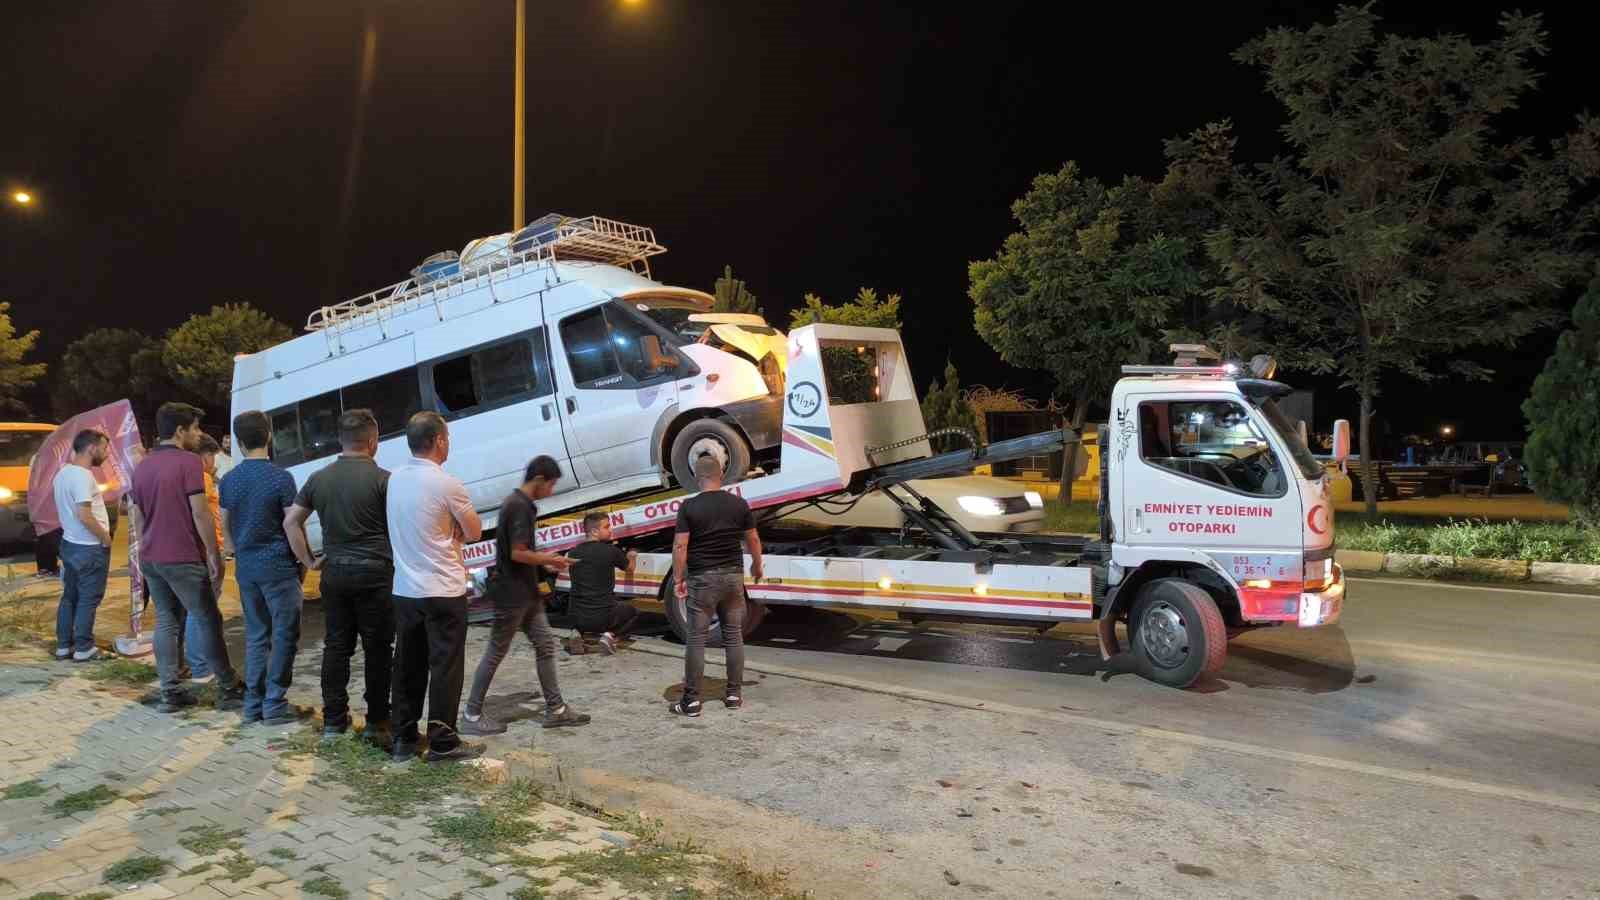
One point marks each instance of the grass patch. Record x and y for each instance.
(430, 856)
(24, 790)
(238, 867)
(642, 869)
(533, 890)
(325, 887)
(121, 671)
(1077, 517)
(379, 787)
(1561, 542)
(319, 867)
(195, 870)
(204, 840)
(498, 823)
(283, 853)
(484, 879)
(83, 801)
(136, 870)
(26, 621)
(97, 895)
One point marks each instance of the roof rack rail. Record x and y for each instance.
(552, 237)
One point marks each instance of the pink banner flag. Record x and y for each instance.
(117, 420)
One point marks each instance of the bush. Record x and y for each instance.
(1563, 455)
(1477, 539)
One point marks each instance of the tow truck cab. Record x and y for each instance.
(1210, 486)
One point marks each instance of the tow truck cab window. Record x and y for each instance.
(1212, 441)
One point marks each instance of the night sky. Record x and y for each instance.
(190, 153)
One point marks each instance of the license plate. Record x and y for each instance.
(1310, 611)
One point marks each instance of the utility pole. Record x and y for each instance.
(519, 141)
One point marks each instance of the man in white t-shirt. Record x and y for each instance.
(85, 545)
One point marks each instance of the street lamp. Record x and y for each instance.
(1446, 430)
(21, 198)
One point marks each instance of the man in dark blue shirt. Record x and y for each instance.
(253, 498)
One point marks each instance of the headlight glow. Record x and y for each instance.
(1034, 500)
(981, 506)
(6, 494)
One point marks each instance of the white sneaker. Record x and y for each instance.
(86, 655)
(63, 652)
(608, 644)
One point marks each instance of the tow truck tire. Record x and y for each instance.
(1177, 633)
(709, 436)
(755, 612)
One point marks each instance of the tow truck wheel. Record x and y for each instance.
(755, 612)
(709, 437)
(1177, 632)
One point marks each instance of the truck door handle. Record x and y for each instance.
(1138, 520)
(572, 405)
(546, 410)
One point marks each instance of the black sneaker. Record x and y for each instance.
(403, 752)
(482, 726)
(283, 718)
(172, 703)
(565, 717)
(231, 699)
(459, 753)
(733, 702)
(690, 709)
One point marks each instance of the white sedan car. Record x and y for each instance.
(979, 502)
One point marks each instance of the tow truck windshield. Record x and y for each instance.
(1309, 467)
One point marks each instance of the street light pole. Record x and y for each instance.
(519, 140)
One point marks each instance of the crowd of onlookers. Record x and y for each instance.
(392, 576)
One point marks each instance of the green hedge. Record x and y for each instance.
(1533, 541)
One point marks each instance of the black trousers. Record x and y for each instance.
(356, 602)
(619, 621)
(430, 654)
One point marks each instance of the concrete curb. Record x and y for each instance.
(1425, 566)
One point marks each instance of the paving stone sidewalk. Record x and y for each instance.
(161, 781)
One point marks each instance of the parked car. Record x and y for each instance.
(19, 441)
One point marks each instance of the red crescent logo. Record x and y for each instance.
(1311, 519)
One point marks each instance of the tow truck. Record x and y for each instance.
(1215, 517)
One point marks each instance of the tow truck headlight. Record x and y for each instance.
(1033, 498)
(6, 495)
(981, 506)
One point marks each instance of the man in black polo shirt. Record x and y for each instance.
(708, 578)
(357, 565)
(518, 595)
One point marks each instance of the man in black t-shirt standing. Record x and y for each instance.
(594, 603)
(350, 499)
(518, 594)
(708, 577)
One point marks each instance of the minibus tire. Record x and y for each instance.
(1177, 633)
(755, 612)
(738, 452)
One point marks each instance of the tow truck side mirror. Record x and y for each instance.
(1341, 440)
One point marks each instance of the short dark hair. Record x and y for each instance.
(593, 521)
(544, 467)
(357, 426)
(208, 444)
(172, 416)
(87, 438)
(253, 429)
(707, 466)
(423, 431)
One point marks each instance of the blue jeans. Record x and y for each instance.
(183, 591)
(271, 636)
(193, 648)
(83, 586)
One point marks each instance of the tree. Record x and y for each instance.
(946, 407)
(732, 297)
(16, 375)
(1563, 455)
(1091, 282)
(200, 352)
(111, 364)
(865, 310)
(1402, 227)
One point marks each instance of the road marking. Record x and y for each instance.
(1272, 754)
(1417, 582)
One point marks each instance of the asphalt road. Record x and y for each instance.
(1490, 685)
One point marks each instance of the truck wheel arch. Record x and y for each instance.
(1222, 593)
